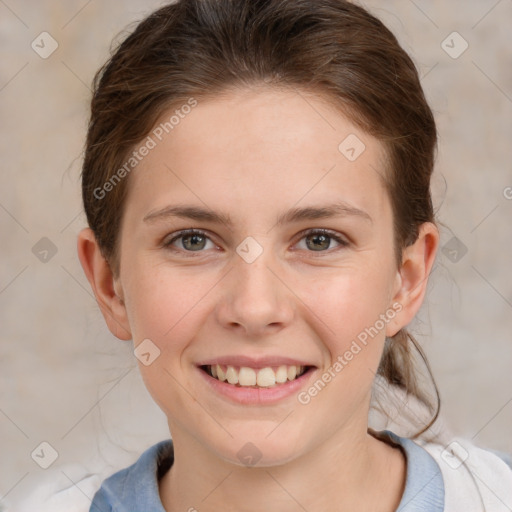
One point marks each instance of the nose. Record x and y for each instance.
(254, 301)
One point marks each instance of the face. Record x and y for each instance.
(252, 239)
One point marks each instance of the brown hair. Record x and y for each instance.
(200, 48)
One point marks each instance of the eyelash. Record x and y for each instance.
(188, 232)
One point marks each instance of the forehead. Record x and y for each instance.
(259, 144)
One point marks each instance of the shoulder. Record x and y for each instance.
(136, 487)
(454, 475)
(73, 488)
(473, 477)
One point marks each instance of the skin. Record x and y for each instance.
(254, 154)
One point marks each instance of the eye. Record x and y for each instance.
(190, 241)
(320, 240)
(315, 240)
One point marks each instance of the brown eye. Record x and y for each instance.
(193, 242)
(321, 241)
(189, 241)
(318, 242)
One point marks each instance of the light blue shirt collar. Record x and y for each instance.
(135, 489)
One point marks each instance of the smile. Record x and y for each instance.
(244, 376)
(255, 381)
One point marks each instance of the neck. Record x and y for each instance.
(344, 473)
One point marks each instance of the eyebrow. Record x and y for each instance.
(340, 209)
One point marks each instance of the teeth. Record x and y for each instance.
(232, 375)
(282, 374)
(247, 376)
(292, 372)
(266, 378)
(220, 373)
(263, 378)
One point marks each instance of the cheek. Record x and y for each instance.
(166, 306)
(164, 303)
(348, 304)
(352, 310)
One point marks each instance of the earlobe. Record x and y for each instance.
(412, 279)
(107, 291)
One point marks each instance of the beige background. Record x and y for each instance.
(65, 380)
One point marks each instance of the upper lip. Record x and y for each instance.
(254, 362)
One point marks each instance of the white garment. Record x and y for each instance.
(475, 480)
(69, 488)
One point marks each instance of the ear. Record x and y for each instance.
(103, 284)
(412, 277)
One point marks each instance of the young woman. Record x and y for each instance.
(257, 187)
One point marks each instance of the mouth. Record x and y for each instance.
(256, 378)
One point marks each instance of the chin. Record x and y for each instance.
(259, 450)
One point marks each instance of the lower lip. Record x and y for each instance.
(257, 396)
